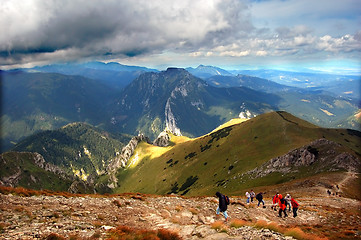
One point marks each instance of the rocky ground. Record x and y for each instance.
(90, 217)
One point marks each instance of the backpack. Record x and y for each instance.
(226, 198)
(283, 201)
(259, 196)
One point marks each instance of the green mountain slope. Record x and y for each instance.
(33, 102)
(219, 160)
(20, 169)
(78, 148)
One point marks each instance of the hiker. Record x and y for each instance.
(252, 195)
(259, 197)
(288, 202)
(282, 205)
(294, 207)
(275, 202)
(248, 196)
(222, 207)
(328, 192)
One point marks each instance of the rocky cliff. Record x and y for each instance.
(22, 161)
(322, 154)
(122, 159)
(162, 140)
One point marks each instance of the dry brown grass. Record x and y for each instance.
(261, 224)
(335, 232)
(297, 233)
(2, 227)
(124, 232)
(175, 220)
(194, 211)
(219, 226)
(97, 224)
(54, 236)
(117, 203)
(275, 227)
(178, 208)
(237, 223)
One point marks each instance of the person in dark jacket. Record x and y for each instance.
(222, 206)
(259, 197)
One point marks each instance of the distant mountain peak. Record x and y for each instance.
(204, 71)
(176, 70)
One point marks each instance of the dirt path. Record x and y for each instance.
(349, 176)
(192, 218)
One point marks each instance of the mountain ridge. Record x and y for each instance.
(181, 166)
(229, 153)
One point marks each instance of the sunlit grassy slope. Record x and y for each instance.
(216, 161)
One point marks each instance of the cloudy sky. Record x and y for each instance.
(159, 33)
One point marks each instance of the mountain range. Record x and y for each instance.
(38, 99)
(347, 86)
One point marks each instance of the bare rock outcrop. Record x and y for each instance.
(162, 140)
(40, 162)
(18, 172)
(323, 154)
(122, 159)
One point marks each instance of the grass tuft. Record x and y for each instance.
(2, 227)
(117, 203)
(124, 232)
(219, 226)
(237, 223)
(261, 224)
(193, 211)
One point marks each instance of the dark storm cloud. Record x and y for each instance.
(53, 30)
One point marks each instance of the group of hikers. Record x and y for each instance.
(283, 203)
(277, 200)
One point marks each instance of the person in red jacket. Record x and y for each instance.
(275, 202)
(282, 205)
(295, 205)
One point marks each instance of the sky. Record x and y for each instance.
(233, 34)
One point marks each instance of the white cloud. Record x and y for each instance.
(235, 53)
(261, 53)
(53, 30)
